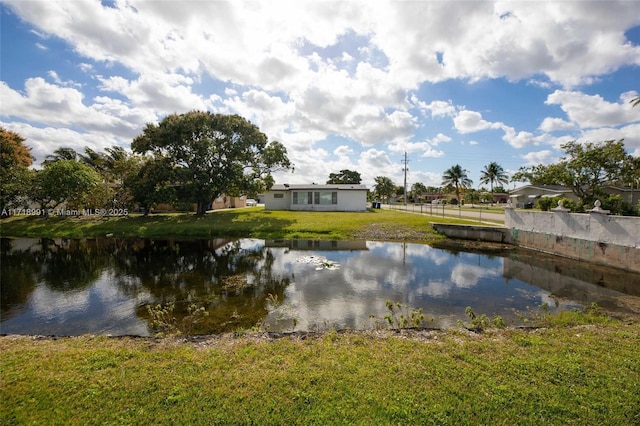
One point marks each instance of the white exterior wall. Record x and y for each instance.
(352, 201)
(272, 203)
(348, 201)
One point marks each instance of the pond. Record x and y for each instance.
(135, 287)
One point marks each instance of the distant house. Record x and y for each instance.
(499, 197)
(628, 193)
(226, 201)
(524, 195)
(311, 197)
(531, 193)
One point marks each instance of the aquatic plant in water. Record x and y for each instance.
(320, 262)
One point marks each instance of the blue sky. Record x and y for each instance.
(342, 84)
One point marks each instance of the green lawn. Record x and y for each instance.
(247, 222)
(578, 375)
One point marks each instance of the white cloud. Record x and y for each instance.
(164, 93)
(589, 111)
(439, 139)
(559, 39)
(540, 157)
(550, 124)
(630, 134)
(304, 71)
(471, 121)
(372, 163)
(257, 44)
(434, 109)
(343, 151)
(521, 139)
(441, 109)
(53, 105)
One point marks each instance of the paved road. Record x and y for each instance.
(478, 214)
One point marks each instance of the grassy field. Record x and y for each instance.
(574, 375)
(247, 222)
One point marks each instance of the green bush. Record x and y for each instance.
(616, 205)
(548, 203)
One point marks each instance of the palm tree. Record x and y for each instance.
(493, 173)
(418, 190)
(384, 187)
(635, 101)
(456, 177)
(61, 154)
(95, 160)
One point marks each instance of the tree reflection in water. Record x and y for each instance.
(231, 281)
(105, 285)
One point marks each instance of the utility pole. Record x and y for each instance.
(404, 169)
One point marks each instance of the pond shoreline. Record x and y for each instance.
(423, 334)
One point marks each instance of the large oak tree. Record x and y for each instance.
(213, 154)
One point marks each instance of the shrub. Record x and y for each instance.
(616, 205)
(549, 203)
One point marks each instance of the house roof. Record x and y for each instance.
(542, 188)
(303, 187)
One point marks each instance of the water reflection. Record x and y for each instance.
(72, 287)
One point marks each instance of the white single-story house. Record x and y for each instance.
(312, 197)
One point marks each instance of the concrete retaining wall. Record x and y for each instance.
(476, 233)
(594, 237)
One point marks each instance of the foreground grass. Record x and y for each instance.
(569, 375)
(250, 222)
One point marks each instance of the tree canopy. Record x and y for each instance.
(457, 179)
(152, 183)
(344, 177)
(66, 181)
(213, 154)
(586, 169)
(384, 188)
(63, 153)
(493, 173)
(418, 189)
(15, 176)
(13, 151)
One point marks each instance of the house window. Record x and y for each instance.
(326, 197)
(303, 198)
(278, 195)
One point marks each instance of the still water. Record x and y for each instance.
(103, 286)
